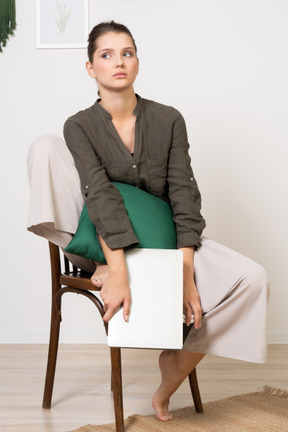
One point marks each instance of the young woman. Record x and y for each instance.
(125, 138)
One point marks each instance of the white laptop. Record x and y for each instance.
(156, 314)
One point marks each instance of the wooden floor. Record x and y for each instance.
(82, 394)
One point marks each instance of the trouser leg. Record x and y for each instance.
(233, 290)
(56, 200)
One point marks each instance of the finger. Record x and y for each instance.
(197, 318)
(110, 312)
(188, 315)
(108, 315)
(126, 309)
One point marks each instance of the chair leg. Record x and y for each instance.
(193, 378)
(195, 391)
(54, 326)
(51, 362)
(115, 354)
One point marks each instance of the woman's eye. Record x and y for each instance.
(106, 55)
(128, 54)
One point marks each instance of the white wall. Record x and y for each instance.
(224, 65)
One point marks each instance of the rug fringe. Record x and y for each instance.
(275, 391)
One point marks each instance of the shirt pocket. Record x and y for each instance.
(120, 172)
(157, 176)
(113, 170)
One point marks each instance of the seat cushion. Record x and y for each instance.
(150, 216)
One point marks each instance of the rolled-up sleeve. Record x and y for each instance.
(104, 202)
(184, 194)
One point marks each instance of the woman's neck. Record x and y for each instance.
(119, 105)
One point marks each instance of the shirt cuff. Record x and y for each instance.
(188, 239)
(121, 240)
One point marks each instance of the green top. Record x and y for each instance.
(160, 165)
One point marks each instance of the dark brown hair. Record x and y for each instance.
(100, 30)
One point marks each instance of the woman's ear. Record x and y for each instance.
(90, 69)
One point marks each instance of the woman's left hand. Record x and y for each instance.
(191, 301)
(191, 298)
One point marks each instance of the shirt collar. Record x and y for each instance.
(137, 111)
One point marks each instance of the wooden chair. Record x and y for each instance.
(78, 282)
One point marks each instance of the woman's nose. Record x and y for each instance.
(119, 61)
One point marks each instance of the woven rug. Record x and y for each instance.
(254, 412)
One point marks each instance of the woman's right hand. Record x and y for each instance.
(115, 292)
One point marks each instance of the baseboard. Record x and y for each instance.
(278, 337)
(83, 336)
(38, 337)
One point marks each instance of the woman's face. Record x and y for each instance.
(115, 63)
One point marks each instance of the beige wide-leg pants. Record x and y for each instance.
(56, 200)
(233, 289)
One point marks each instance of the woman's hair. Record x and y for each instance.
(101, 29)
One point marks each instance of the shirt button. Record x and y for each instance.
(191, 178)
(134, 166)
(86, 187)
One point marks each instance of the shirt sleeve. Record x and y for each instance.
(104, 202)
(184, 194)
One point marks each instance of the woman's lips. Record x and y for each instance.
(120, 75)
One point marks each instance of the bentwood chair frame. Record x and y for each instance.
(78, 282)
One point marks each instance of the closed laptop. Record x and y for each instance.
(156, 314)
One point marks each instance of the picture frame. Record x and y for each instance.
(61, 23)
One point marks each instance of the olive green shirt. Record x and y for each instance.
(160, 165)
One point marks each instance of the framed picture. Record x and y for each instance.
(61, 23)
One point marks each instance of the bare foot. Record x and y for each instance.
(175, 366)
(100, 275)
(160, 401)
